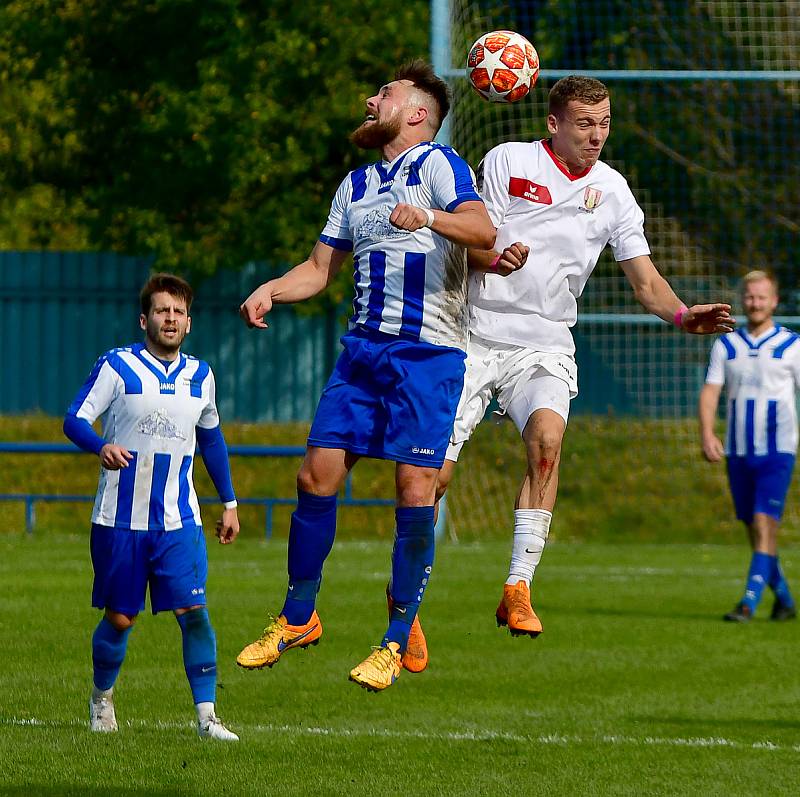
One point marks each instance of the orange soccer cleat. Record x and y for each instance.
(415, 658)
(276, 638)
(516, 612)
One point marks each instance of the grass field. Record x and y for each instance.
(635, 688)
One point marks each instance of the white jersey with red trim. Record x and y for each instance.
(566, 220)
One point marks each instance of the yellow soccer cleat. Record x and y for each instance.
(415, 658)
(516, 612)
(278, 637)
(380, 669)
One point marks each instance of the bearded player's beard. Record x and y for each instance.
(374, 135)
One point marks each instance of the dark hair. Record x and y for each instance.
(165, 283)
(575, 87)
(421, 74)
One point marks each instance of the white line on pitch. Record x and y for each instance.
(446, 736)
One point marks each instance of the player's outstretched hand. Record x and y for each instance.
(408, 217)
(707, 319)
(228, 526)
(114, 457)
(713, 450)
(256, 306)
(512, 259)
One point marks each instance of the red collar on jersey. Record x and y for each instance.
(561, 166)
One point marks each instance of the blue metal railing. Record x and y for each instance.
(268, 502)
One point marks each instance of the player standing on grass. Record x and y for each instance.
(760, 369)
(153, 402)
(395, 387)
(564, 204)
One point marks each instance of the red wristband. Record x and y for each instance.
(678, 319)
(493, 264)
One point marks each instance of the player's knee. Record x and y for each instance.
(122, 622)
(310, 482)
(545, 444)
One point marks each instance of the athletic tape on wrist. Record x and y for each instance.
(431, 218)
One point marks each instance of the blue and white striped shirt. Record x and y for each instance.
(411, 284)
(761, 376)
(151, 410)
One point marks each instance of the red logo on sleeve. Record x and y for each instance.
(525, 189)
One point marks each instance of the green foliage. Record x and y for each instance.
(205, 132)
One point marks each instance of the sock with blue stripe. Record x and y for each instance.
(311, 536)
(412, 561)
(199, 654)
(757, 578)
(108, 653)
(778, 585)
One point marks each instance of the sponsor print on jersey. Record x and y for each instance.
(159, 425)
(591, 199)
(526, 189)
(426, 451)
(377, 227)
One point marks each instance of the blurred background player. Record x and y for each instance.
(153, 402)
(560, 201)
(395, 387)
(760, 369)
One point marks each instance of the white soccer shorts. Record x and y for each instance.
(523, 380)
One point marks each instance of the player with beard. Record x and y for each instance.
(393, 394)
(154, 402)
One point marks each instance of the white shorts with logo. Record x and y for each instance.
(523, 380)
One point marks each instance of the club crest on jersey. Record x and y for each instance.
(526, 189)
(591, 199)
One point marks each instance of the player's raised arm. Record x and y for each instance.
(302, 282)
(467, 225)
(655, 294)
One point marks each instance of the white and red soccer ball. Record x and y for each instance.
(502, 66)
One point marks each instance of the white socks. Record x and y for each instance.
(205, 711)
(531, 527)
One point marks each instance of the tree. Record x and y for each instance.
(205, 132)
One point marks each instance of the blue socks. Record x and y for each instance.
(108, 653)
(412, 560)
(311, 538)
(757, 578)
(199, 654)
(778, 585)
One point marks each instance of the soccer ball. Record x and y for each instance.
(502, 66)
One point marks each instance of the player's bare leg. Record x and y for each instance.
(311, 537)
(543, 435)
(412, 561)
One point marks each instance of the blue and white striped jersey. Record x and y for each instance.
(151, 410)
(760, 376)
(411, 284)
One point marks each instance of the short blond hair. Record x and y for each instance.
(756, 276)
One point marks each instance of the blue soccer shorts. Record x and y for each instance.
(760, 484)
(173, 563)
(390, 398)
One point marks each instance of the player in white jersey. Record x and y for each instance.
(394, 391)
(154, 403)
(561, 202)
(760, 370)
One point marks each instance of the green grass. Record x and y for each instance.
(635, 688)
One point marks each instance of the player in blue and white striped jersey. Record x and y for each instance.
(154, 403)
(393, 394)
(760, 369)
